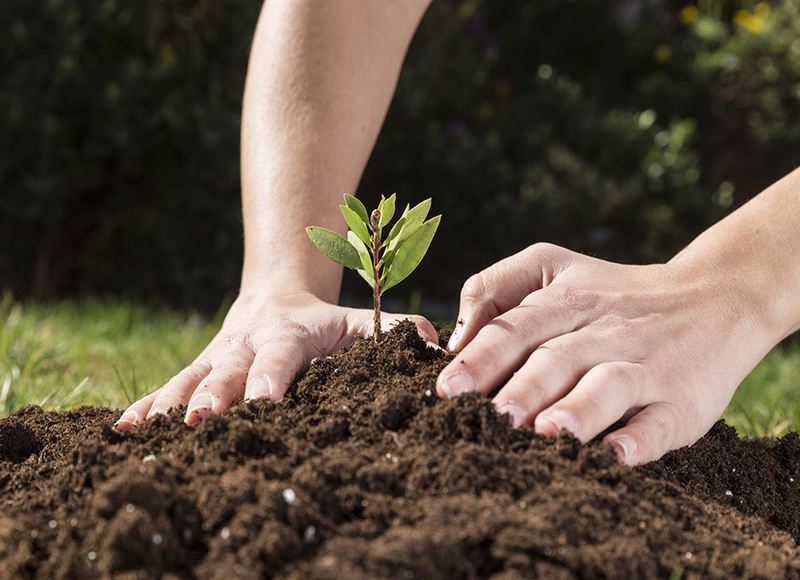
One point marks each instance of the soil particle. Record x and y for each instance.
(361, 471)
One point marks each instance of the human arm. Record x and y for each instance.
(320, 79)
(579, 343)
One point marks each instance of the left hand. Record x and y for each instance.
(581, 343)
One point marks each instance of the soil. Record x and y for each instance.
(363, 472)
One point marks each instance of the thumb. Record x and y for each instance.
(503, 286)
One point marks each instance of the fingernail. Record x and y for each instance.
(260, 389)
(200, 407)
(624, 446)
(433, 345)
(129, 418)
(453, 342)
(558, 419)
(158, 411)
(516, 413)
(457, 384)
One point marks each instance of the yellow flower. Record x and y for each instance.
(750, 22)
(662, 53)
(762, 9)
(689, 14)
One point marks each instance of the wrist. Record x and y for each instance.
(743, 284)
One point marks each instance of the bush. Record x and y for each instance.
(619, 128)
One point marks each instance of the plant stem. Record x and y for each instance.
(376, 291)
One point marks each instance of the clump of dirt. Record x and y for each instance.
(363, 472)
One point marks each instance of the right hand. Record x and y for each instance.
(262, 345)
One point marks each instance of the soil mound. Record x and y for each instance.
(363, 472)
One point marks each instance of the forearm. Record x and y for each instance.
(757, 249)
(320, 79)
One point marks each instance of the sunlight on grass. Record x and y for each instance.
(91, 352)
(768, 400)
(68, 354)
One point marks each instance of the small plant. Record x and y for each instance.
(383, 263)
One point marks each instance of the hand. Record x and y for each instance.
(264, 342)
(581, 343)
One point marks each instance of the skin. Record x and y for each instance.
(577, 343)
(562, 339)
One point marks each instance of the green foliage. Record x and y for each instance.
(615, 127)
(398, 254)
(334, 246)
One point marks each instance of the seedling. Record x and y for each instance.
(383, 263)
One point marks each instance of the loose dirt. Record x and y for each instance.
(363, 472)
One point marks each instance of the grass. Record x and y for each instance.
(66, 354)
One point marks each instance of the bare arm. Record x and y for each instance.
(320, 80)
(319, 83)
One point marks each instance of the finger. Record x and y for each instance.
(648, 435)
(599, 399)
(274, 368)
(224, 385)
(503, 286)
(178, 389)
(554, 369)
(505, 343)
(134, 414)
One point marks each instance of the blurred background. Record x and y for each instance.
(619, 128)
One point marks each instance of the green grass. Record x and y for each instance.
(67, 354)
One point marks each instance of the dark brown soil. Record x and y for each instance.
(363, 472)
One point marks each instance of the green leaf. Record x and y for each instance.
(363, 252)
(410, 253)
(387, 209)
(394, 232)
(370, 279)
(416, 216)
(413, 220)
(354, 222)
(334, 246)
(355, 204)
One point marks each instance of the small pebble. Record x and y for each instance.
(92, 556)
(408, 574)
(157, 539)
(310, 534)
(289, 496)
(428, 393)
(129, 508)
(394, 460)
(225, 533)
(142, 469)
(729, 493)
(761, 543)
(73, 522)
(523, 504)
(34, 533)
(547, 551)
(149, 458)
(52, 524)
(388, 456)
(791, 479)
(688, 555)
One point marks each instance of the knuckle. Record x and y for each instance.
(571, 298)
(236, 342)
(474, 288)
(542, 251)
